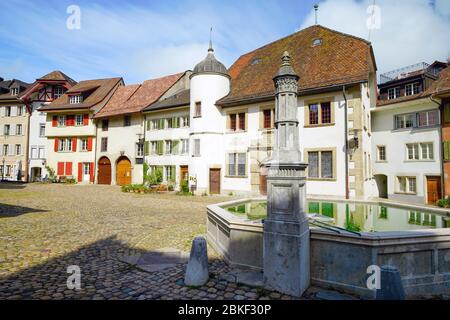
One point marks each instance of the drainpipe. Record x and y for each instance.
(441, 116)
(346, 143)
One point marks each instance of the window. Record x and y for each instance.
(5, 149)
(381, 153)
(104, 144)
(41, 154)
(8, 111)
(320, 164)
(127, 121)
(139, 149)
(406, 185)
(198, 109)
(105, 124)
(18, 150)
(318, 114)
(233, 124)
(237, 164)
(34, 154)
(154, 146)
(169, 172)
(420, 151)
(316, 42)
(64, 145)
(185, 121)
(168, 149)
(83, 144)
(7, 130)
(267, 121)
(19, 130)
(427, 118)
(169, 123)
(196, 147)
(393, 93)
(14, 91)
(185, 146)
(313, 114)
(404, 121)
(62, 121)
(325, 109)
(58, 92)
(241, 121)
(20, 111)
(75, 99)
(237, 121)
(79, 120)
(412, 88)
(42, 130)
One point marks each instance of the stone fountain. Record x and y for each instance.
(286, 230)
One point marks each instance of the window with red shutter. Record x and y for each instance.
(70, 120)
(60, 171)
(55, 121)
(85, 119)
(68, 168)
(91, 171)
(56, 145)
(74, 144)
(80, 171)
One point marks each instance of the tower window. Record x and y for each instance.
(316, 42)
(198, 109)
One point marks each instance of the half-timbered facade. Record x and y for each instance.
(71, 131)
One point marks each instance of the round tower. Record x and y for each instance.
(210, 81)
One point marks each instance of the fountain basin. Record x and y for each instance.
(414, 239)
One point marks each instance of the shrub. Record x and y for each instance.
(71, 181)
(155, 177)
(444, 203)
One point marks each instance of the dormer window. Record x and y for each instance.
(393, 93)
(58, 92)
(316, 42)
(76, 99)
(256, 61)
(412, 88)
(14, 91)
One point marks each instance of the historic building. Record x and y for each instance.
(42, 92)
(229, 132)
(71, 131)
(406, 139)
(14, 119)
(120, 128)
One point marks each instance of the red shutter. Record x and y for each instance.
(60, 169)
(74, 144)
(68, 168)
(55, 121)
(85, 119)
(91, 171)
(56, 144)
(80, 171)
(89, 146)
(70, 120)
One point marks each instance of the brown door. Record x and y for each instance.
(104, 171)
(123, 172)
(433, 189)
(184, 175)
(263, 181)
(214, 181)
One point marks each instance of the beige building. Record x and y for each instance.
(71, 131)
(14, 120)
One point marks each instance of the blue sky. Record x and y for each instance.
(141, 40)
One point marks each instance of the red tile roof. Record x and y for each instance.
(339, 59)
(442, 85)
(135, 98)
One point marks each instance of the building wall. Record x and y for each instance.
(396, 153)
(36, 142)
(446, 137)
(121, 142)
(17, 162)
(87, 131)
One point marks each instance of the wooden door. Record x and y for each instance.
(104, 171)
(123, 172)
(433, 189)
(184, 175)
(214, 181)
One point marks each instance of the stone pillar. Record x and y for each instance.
(286, 229)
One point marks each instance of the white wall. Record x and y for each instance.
(36, 141)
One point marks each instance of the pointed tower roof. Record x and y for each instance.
(210, 64)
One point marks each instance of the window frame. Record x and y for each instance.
(237, 156)
(408, 180)
(319, 151)
(65, 145)
(319, 113)
(75, 99)
(379, 158)
(396, 93)
(418, 148)
(197, 109)
(62, 120)
(103, 144)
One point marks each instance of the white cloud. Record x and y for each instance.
(411, 31)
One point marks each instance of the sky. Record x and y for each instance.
(141, 40)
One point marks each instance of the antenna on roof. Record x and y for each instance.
(316, 9)
(210, 41)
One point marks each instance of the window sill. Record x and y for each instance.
(196, 117)
(409, 161)
(236, 131)
(236, 177)
(406, 193)
(267, 129)
(318, 125)
(321, 179)
(381, 161)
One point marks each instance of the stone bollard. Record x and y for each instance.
(197, 273)
(391, 285)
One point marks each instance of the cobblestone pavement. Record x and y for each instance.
(46, 228)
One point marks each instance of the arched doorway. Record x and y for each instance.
(382, 187)
(123, 171)
(104, 171)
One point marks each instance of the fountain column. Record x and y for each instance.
(286, 229)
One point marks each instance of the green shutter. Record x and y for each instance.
(159, 147)
(148, 125)
(161, 124)
(177, 119)
(172, 174)
(447, 113)
(447, 150)
(146, 148)
(175, 147)
(327, 209)
(313, 207)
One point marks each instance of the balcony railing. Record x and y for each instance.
(407, 71)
